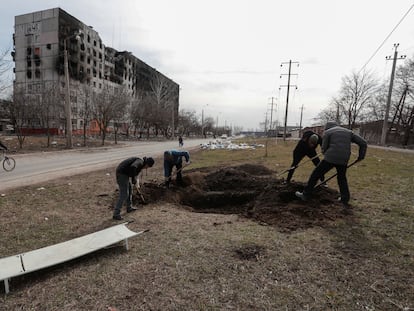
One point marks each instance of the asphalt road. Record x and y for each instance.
(40, 167)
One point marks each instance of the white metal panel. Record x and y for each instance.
(10, 266)
(55, 254)
(58, 253)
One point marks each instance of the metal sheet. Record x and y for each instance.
(10, 266)
(62, 252)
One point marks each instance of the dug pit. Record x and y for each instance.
(252, 191)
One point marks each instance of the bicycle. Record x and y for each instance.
(8, 162)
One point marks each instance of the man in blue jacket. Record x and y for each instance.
(126, 170)
(174, 158)
(336, 147)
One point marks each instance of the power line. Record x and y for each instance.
(383, 42)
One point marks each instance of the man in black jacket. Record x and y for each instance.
(305, 147)
(336, 147)
(126, 170)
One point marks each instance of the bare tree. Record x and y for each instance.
(106, 107)
(85, 111)
(5, 66)
(21, 110)
(357, 91)
(166, 98)
(120, 116)
(49, 107)
(188, 122)
(403, 108)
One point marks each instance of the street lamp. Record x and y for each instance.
(68, 110)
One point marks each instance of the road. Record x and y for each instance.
(44, 166)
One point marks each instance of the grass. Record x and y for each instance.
(192, 261)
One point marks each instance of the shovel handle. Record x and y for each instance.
(326, 180)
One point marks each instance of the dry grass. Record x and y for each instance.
(194, 261)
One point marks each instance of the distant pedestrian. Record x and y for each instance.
(336, 147)
(305, 147)
(180, 141)
(126, 175)
(174, 158)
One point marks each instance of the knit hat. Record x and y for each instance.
(149, 161)
(330, 124)
(313, 139)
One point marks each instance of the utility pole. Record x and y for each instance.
(387, 109)
(287, 96)
(271, 115)
(301, 114)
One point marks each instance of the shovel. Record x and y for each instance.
(140, 194)
(326, 180)
(295, 167)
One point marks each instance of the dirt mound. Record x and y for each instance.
(252, 191)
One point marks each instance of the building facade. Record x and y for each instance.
(40, 40)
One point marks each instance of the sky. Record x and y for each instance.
(230, 57)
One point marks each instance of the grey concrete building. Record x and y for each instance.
(40, 39)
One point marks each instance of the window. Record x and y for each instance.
(49, 46)
(37, 73)
(37, 51)
(29, 74)
(94, 42)
(29, 63)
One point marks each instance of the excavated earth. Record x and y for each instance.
(252, 191)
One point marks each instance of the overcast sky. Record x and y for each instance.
(226, 55)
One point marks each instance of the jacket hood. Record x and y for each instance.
(330, 124)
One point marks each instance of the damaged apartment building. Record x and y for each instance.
(40, 40)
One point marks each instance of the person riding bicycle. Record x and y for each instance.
(3, 147)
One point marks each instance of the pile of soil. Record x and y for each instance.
(252, 191)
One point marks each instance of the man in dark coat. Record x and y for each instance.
(336, 147)
(126, 170)
(305, 147)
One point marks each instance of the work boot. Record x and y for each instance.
(301, 195)
(117, 217)
(347, 209)
(131, 209)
